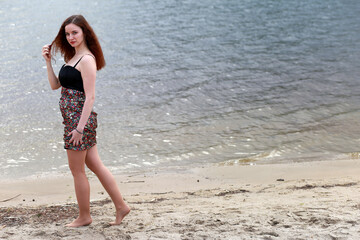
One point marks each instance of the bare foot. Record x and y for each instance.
(120, 214)
(79, 222)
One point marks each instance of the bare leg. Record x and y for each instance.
(94, 163)
(82, 188)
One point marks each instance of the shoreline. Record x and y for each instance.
(309, 200)
(51, 190)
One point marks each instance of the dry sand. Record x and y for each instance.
(313, 200)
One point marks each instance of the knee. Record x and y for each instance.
(95, 168)
(77, 170)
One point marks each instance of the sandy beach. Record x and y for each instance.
(312, 200)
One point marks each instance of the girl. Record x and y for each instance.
(83, 56)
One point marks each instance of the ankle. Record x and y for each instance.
(84, 216)
(121, 206)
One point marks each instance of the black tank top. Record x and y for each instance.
(70, 77)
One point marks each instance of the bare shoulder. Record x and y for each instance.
(88, 61)
(88, 58)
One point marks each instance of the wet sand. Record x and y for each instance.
(313, 200)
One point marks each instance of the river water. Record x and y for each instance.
(188, 83)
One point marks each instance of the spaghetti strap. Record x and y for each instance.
(78, 61)
(81, 58)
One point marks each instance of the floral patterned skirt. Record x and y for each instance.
(71, 105)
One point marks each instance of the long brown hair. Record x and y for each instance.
(60, 44)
